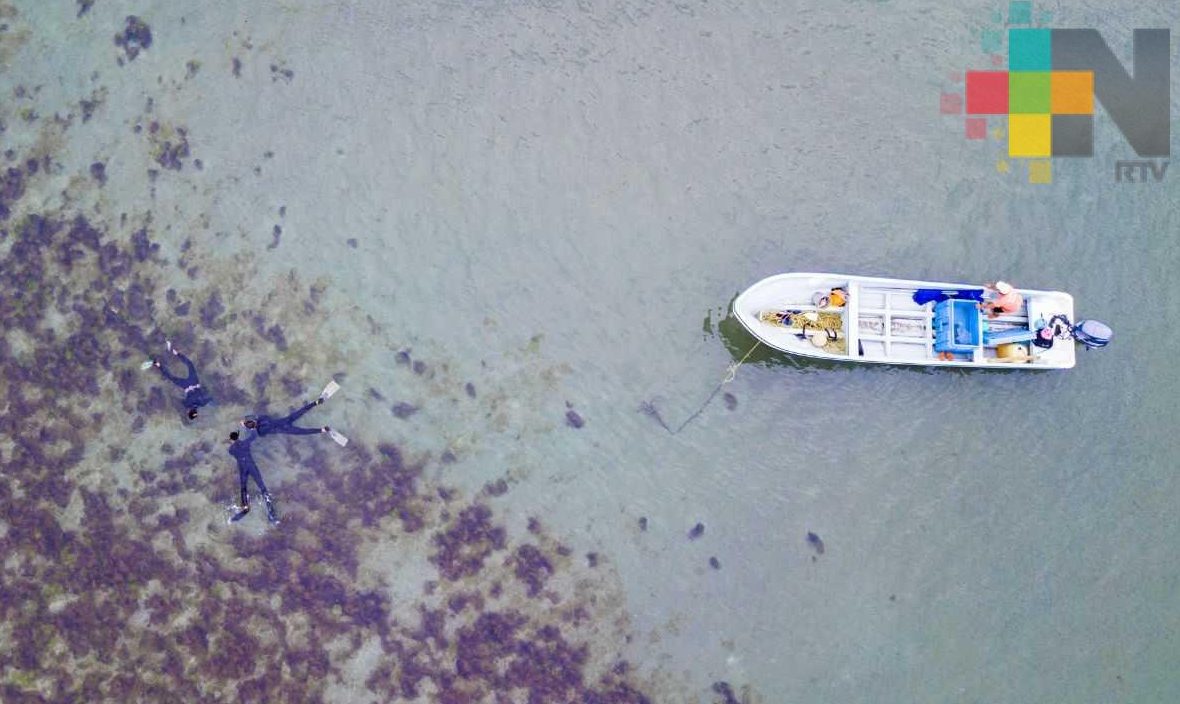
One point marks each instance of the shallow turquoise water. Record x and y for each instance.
(558, 201)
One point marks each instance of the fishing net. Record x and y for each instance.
(814, 320)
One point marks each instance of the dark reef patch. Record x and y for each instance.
(496, 488)
(127, 600)
(12, 188)
(532, 567)
(135, 37)
(89, 106)
(283, 73)
(464, 545)
(403, 409)
(170, 151)
(725, 691)
(573, 420)
(212, 309)
(98, 171)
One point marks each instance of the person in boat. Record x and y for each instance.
(1001, 299)
(239, 448)
(195, 395)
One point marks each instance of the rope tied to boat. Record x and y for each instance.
(730, 373)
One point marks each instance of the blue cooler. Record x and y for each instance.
(956, 326)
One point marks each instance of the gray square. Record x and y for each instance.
(1073, 135)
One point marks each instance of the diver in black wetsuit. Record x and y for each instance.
(268, 425)
(195, 395)
(239, 447)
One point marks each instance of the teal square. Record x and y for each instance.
(1020, 12)
(990, 40)
(1030, 93)
(1030, 49)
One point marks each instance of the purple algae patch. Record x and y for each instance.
(170, 153)
(464, 545)
(573, 420)
(496, 488)
(532, 567)
(276, 336)
(98, 171)
(404, 409)
(135, 37)
(141, 247)
(725, 691)
(12, 187)
(212, 310)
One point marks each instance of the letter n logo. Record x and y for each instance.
(1138, 104)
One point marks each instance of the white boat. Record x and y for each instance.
(882, 321)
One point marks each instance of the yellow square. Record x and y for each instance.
(1040, 171)
(1030, 135)
(1071, 92)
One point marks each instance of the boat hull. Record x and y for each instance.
(881, 324)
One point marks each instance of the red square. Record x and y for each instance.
(950, 104)
(987, 92)
(976, 128)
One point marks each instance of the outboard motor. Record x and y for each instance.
(1092, 333)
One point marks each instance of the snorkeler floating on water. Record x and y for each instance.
(268, 425)
(195, 395)
(239, 447)
(257, 426)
